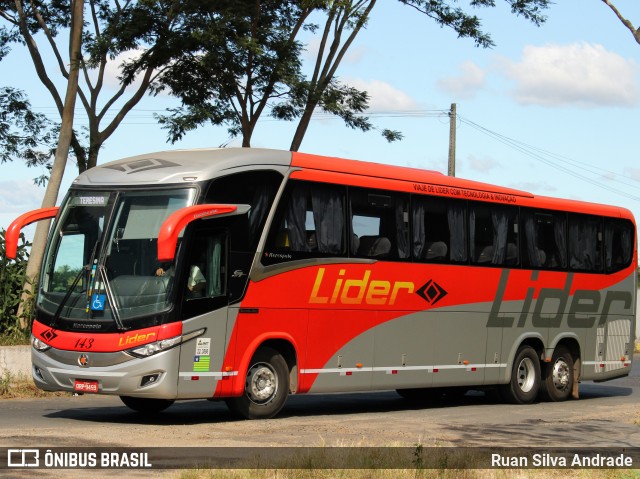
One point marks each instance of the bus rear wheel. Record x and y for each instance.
(146, 405)
(266, 386)
(557, 381)
(525, 377)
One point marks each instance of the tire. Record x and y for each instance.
(266, 386)
(146, 405)
(525, 377)
(557, 380)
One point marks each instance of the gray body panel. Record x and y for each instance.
(181, 166)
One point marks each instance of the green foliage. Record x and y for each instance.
(24, 135)
(447, 13)
(12, 279)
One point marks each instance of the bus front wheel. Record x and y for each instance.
(266, 386)
(557, 382)
(525, 377)
(146, 405)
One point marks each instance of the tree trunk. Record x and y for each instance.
(60, 160)
(303, 124)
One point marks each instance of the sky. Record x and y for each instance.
(552, 110)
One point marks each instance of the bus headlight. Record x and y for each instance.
(164, 344)
(39, 345)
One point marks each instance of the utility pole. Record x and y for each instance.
(452, 141)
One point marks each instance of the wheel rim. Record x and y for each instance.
(526, 375)
(262, 383)
(561, 375)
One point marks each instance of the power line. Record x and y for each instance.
(559, 162)
(543, 156)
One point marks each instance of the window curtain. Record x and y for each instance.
(531, 228)
(402, 228)
(214, 269)
(419, 228)
(500, 220)
(583, 236)
(296, 215)
(262, 198)
(328, 216)
(458, 232)
(618, 244)
(560, 235)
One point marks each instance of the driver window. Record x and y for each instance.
(206, 268)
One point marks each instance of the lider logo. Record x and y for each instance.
(49, 335)
(432, 292)
(342, 289)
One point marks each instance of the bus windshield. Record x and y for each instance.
(102, 262)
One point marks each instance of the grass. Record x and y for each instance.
(18, 386)
(453, 464)
(408, 474)
(15, 339)
(362, 463)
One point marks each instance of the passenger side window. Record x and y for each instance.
(257, 189)
(619, 239)
(439, 230)
(545, 239)
(309, 222)
(585, 243)
(493, 234)
(379, 224)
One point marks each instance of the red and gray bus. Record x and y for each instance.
(251, 274)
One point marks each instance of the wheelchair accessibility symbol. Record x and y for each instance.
(97, 302)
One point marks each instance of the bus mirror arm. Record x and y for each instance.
(177, 221)
(13, 232)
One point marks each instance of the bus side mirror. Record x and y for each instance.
(13, 232)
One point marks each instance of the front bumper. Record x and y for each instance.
(116, 373)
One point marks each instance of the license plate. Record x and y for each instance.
(85, 386)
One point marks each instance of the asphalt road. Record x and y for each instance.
(607, 414)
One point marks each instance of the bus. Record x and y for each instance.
(247, 275)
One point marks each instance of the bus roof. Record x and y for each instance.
(187, 166)
(180, 166)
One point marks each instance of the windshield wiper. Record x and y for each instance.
(114, 307)
(67, 295)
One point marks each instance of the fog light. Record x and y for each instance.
(149, 379)
(37, 372)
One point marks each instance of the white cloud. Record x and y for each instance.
(20, 196)
(383, 96)
(632, 173)
(465, 85)
(581, 74)
(113, 69)
(482, 164)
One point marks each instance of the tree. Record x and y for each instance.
(249, 61)
(104, 40)
(634, 31)
(24, 135)
(62, 150)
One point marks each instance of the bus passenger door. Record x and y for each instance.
(202, 283)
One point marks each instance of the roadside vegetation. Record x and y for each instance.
(18, 386)
(408, 474)
(12, 278)
(365, 464)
